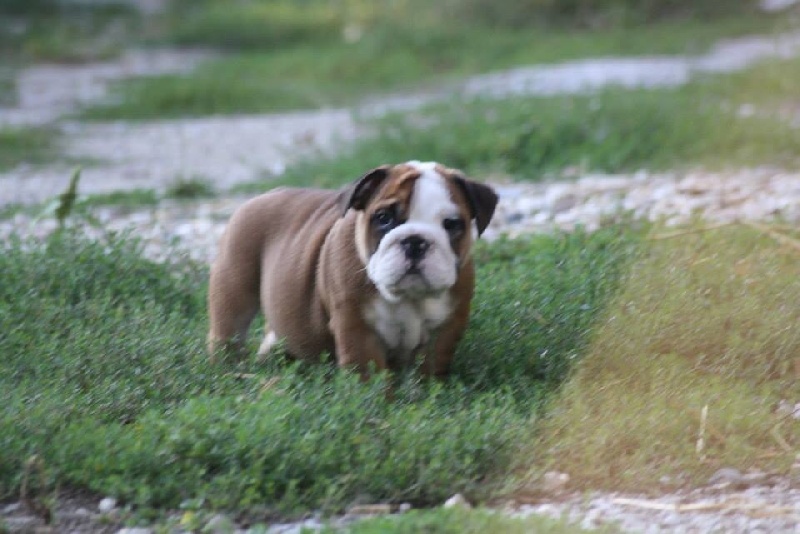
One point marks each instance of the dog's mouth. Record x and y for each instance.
(414, 284)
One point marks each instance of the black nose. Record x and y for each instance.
(415, 247)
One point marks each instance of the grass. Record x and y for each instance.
(8, 87)
(47, 30)
(108, 384)
(132, 198)
(462, 522)
(30, 145)
(703, 320)
(403, 57)
(532, 138)
(767, 87)
(190, 188)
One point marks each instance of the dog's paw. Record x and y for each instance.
(270, 340)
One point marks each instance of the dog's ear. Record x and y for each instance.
(357, 196)
(482, 200)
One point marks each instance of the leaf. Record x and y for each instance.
(66, 200)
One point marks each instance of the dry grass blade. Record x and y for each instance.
(701, 435)
(680, 233)
(777, 236)
(752, 508)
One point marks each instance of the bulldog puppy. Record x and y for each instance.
(376, 274)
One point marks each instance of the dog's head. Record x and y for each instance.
(414, 226)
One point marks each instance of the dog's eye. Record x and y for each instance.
(454, 224)
(384, 218)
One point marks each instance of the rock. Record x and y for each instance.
(370, 509)
(219, 524)
(21, 524)
(554, 481)
(726, 475)
(405, 507)
(773, 6)
(11, 508)
(564, 203)
(514, 218)
(789, 408)
(457, 501)
(107, 505)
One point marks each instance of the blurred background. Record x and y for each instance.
(68, 67)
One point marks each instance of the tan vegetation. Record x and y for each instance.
(687, 371)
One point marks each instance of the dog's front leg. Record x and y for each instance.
(439, 353)
(357, 346)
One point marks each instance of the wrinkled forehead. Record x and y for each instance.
(425, 191)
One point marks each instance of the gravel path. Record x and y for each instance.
(590, 201)
(230, 150)
(233, 149)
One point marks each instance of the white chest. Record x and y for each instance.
(404, 326)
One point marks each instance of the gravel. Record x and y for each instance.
(590, 201)
(770, 506)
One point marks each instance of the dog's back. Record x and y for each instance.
(268, 240)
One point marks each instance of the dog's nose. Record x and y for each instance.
(415, 247)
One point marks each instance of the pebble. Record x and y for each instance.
(457, 501)
(219, 524)
(726, 475)
(107, 504)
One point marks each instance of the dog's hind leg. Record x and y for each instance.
(233, 302)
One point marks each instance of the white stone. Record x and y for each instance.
(107, 504)
(457, 500)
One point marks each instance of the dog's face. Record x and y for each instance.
(415, 224)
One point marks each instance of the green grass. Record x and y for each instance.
(46, 30)
(31, 145)
(462, 522)
(767, 87)
(531, 138)
(8, 87)
(401, 58)
(190, 188)
(707, 319)
(268, 24)
(132, 198)
(107, 382)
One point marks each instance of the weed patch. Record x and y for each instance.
(705, 321)
(26, 145)
(45, 30)
(189, 188)
(462, 522)
(105, 379)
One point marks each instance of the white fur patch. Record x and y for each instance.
(431, 202)
(405, 326)
(270, 340)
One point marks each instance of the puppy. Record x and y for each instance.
(377, 274)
